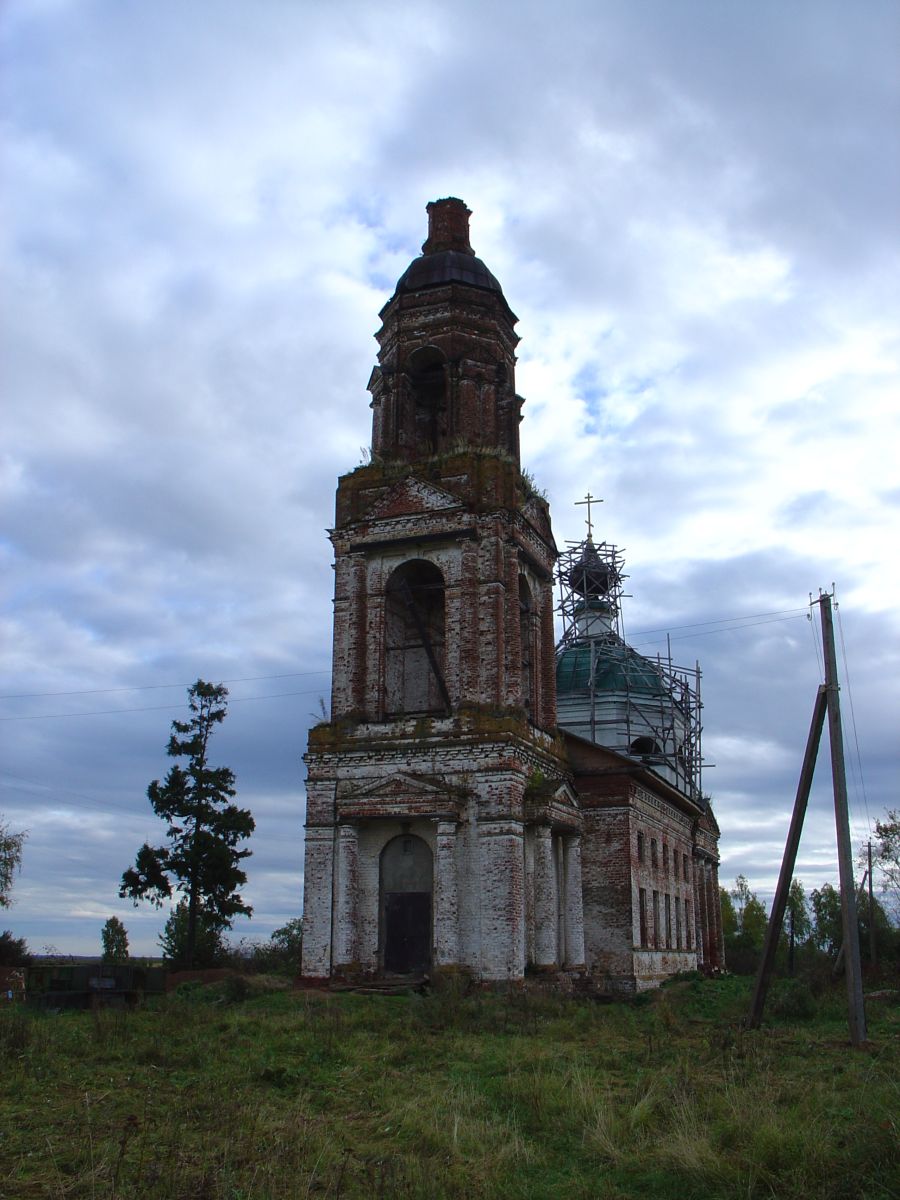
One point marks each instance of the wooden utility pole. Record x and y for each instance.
(856, 1011)
(773, 929)
(827, 701)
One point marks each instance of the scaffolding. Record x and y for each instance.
(645, 708)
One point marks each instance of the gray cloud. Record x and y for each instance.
(690, 208)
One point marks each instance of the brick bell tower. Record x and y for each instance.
(442, 831)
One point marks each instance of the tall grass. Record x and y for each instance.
(220, 1093)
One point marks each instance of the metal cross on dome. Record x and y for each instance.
(589, 500)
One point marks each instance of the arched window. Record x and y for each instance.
(427, 374)
(414, 641)
(645, 746)
(526, 641)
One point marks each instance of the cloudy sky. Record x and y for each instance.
(692, 207)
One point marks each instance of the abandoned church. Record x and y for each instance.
(484, 800)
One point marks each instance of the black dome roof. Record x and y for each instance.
(447, 266)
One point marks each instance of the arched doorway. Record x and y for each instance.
(406, 888)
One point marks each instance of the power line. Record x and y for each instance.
(149, 687)
(728, 629)
(782, 612)
(114, 712)
(862, 782)
(92, 800)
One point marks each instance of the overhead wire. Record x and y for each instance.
(149, 687)
(108, 712)
(92, 800)
(708, 632)
(781, 612)
(820, 665)
(861, 777)
(746, 621)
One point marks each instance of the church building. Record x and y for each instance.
(483, 801)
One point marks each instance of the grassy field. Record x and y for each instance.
(230, 1093)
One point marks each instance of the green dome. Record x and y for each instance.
(617, 668)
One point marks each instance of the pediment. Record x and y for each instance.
(535, 513)
(412, 497)
(566, 796)
(396, 787)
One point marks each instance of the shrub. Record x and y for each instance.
(793, 998)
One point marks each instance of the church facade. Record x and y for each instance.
(456, 821)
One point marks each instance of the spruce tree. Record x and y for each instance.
(205, 828)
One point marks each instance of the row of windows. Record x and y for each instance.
(661, 931)
(678, 860)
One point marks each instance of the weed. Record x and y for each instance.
(15, 1032)
(792, 999)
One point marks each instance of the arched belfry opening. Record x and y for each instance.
(414, 649)
(406, 884)
(427, 374)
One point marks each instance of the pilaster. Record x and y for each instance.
(446, 896)
(574, 956)
(317, 881)
(345, 933)
(544, 899)
(502, 900)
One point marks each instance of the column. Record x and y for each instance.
(345, 934)
(574, 910)
(544, 899)
(317, 874)
(446, 896)
(502, 899)
(699, 911)
(369, 582)
(708, 919)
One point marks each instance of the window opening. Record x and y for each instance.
(414, 640)
(428, 380)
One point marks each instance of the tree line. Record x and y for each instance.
(812, 933)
